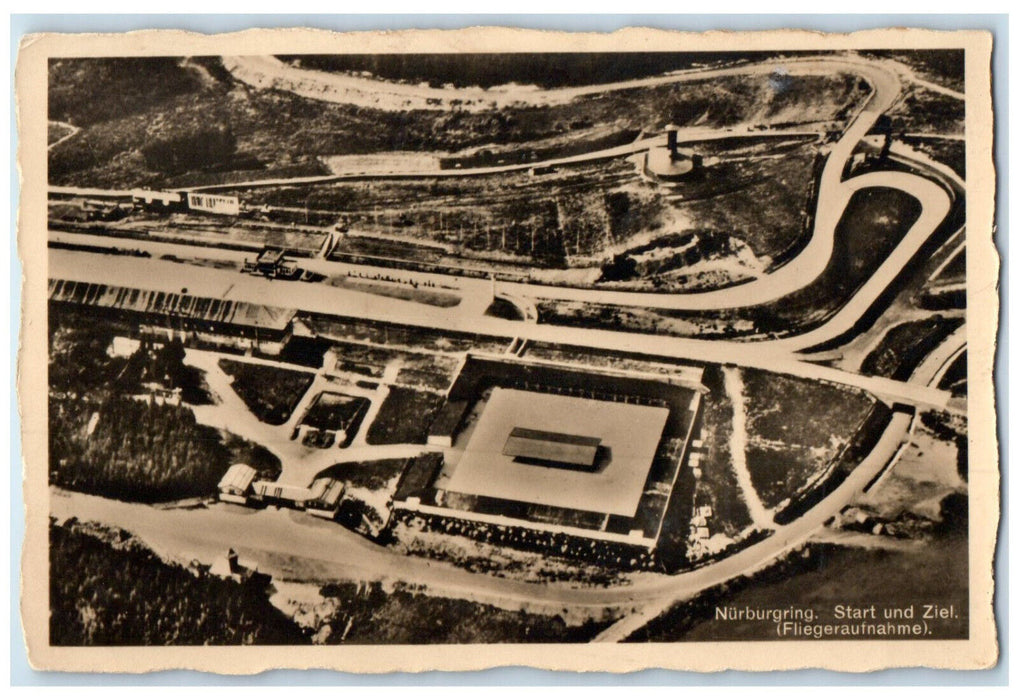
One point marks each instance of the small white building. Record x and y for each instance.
(235, 486)
(123, 347)
(323, 499)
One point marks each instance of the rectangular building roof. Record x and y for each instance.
(448, 419)
(418, 475)
(239, 477)
(629, 435)
(282, 492)
(239, 313)
(551, 447)
(325, 491)
(270, 256)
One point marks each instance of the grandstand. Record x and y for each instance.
(217, 321)
(554, 451)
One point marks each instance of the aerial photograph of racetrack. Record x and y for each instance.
(507, 348)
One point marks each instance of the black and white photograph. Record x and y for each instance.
(424, 352)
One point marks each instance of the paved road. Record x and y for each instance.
(833, 195)
(209, 530)
(785, 538)
(300, 464)
(268, 72)
(277, 538)
(937, 362)
(833, 192)
(694, 133)
(146, 273)
(936, 205)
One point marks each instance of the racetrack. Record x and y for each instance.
(832, 197)
(273, 537)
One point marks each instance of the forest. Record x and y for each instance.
(133, 450)
(102, 595)
(109, 436)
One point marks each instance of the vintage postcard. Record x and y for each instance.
(448, 350)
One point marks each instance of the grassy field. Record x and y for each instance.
(403, 617)
(945, 67)
(765, 205)
(373, 476)
(951, 152)
(571, 216)
(270, 392)
(540, 217)
(545, 70)
(404, 417)
(956, 376)
(332, 411)
(431, 297)
(334, 328)
(434, 372)
(924, 111)
(717, 486)
(795, 427)
(955, 271)
(500, 308)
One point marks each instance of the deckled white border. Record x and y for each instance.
(977, 652)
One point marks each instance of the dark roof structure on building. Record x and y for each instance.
(224, 311)
(547, 446)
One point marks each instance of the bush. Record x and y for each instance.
(905, 346)
(373, 476)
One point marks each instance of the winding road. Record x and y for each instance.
(833, 195)
(274, 537)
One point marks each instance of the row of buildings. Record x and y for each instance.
(321, 498)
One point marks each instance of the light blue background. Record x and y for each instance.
(21, 674)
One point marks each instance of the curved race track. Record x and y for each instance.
(832, 197)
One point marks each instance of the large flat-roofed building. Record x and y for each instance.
(581, 461)
(627, 433)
